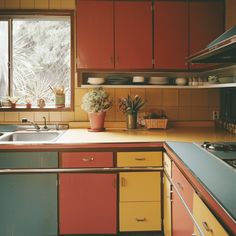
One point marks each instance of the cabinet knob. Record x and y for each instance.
(88, 159)
(180, 186)
(140, 219)
(123, 182)
(206, 226)
(140, 158)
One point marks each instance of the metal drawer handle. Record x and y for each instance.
(88, 159)
(206, 226)
(140, 158)
(180, 186)
(123, 182)
(141, 219)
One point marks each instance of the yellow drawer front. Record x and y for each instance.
(140, 186)
(167, 164)
(206, 220)
(139, 159)
(140, 216)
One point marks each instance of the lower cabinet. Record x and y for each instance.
(28, 202)
(140, 192)
(140, 204)
(167, 195)
(205, 219)
(87, 202)
(182, 224)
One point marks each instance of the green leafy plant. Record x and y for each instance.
(96, 100)
(131, 105)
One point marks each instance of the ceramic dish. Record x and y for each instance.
(95, 80)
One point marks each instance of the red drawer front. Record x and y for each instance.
(86, 159)
(183, 186)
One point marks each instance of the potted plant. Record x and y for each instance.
(96, 102)
(130, 106)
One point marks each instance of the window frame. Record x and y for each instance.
(7, 15)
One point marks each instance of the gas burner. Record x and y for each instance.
(226, 147)
(231, 163)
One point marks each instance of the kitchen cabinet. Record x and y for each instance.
(182, 224)
(167, 195)
(171, 34)
(206, 23)
(133, 34)
(95, 36)
(87, 201)
(115, 36)
(205, 219)
(140, 193)
(28, 202)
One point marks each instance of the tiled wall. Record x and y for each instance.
(178, 104)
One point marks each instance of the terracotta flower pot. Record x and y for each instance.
(97, 121)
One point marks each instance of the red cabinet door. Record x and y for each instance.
(206, 19)
(87, 204)
(133, 35)
(95, 36)
(171, 34)
(182, 224)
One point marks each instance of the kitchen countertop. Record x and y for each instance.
(215, 175)
(73, 138)
(120, 135)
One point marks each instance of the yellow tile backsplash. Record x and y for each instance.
(177, 104)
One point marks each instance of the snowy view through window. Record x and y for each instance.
(41, 58)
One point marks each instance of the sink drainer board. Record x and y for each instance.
(8, 128)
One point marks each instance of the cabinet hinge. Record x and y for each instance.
(57, 182)
(153, 61)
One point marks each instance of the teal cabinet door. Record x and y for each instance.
(28, 202)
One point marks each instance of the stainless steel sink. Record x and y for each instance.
(31, 136)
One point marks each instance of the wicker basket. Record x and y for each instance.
(156, 123)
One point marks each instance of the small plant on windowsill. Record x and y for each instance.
(13, 101)
(96, 102)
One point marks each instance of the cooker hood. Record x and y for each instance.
(221, 50)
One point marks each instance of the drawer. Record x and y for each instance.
(205, 219)
(167, 164)
(86, 159)
(183, 186)
(140, 186)
(140, 216)
(139, 159)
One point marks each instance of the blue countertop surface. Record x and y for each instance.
(215, 175)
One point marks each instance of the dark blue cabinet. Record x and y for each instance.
(28, 202)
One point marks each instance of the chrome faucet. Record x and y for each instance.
(45, 127)
(25, 120)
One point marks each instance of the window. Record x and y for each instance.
(36, 58)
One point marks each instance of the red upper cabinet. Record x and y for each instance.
(206, 19)
(95, 36)
(133, 34)
(171, 34)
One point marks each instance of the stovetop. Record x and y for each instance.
(226, 151)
